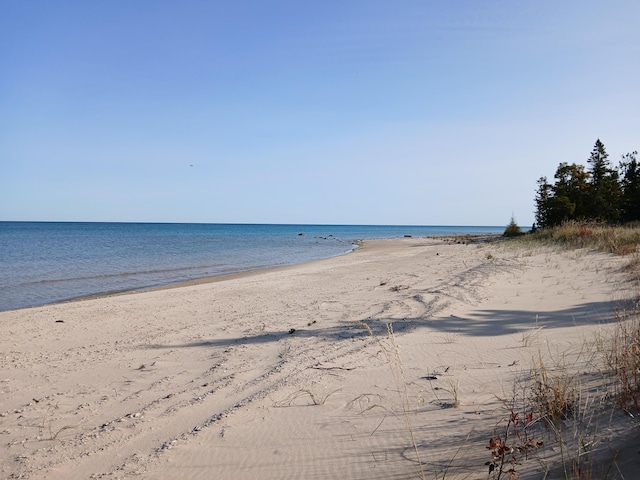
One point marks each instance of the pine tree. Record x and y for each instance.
(513, 229)
(572, 183)
(565, 199)
(605, 194)
(543, 202)
(630, 183)
(602, 193)
(599, 161)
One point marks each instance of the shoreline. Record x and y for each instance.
(272, 374)
(183, 283)
(239, 274)
(127, 257)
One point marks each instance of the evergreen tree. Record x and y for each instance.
(565, 199)
(601, 193)
(630, 183)
(543, 202)
(605, 194)
(513, 229)
(571, 189)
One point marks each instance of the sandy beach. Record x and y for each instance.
(395, 361)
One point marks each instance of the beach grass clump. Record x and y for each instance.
(529, 336)
(632, 267)
(551, 426)
(618, 239)
(453, 389)
(517, 440)
(554, 393)
(623, 359)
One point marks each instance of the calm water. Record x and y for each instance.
(43, 262)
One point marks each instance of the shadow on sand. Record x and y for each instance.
(480, 323)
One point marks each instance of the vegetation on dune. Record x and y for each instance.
(558, 408)
(600, 192)
(618, 239)
(594, 195)
(512, 230)
(571, 414)
(595, 207)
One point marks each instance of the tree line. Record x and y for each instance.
(599, 192)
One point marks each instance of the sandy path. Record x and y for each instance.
(221, 380)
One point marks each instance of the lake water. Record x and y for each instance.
(46, 262)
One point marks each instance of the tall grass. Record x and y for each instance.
(389, 347)
(622, 353)
(623, 359)
(555, 422)
(555, 396)
(618, 239)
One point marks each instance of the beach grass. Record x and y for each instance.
(617, 239)
(557, 416)
(574, 413)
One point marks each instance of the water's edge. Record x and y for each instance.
(47, 263)
(239, 273)
(187, 283)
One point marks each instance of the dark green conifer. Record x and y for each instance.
(630, 182)
(605, 194)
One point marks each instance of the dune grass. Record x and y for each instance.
(622, 347)
(559, 420)
(555, 397)
(618, 239)
(556, 422)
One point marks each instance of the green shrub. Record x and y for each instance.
(512, 230)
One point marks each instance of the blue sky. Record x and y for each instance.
(349, 112)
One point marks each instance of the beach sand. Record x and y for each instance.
(274, 375)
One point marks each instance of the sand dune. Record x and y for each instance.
(273, 375)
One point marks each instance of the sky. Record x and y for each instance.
(412, 112)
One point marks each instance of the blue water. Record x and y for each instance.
(42, 262)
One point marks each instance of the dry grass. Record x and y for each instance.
(554, 394)
(317, 398)
(623, 359)
(530, 336)
(618, 239)
(389, 348)
(632, 267)
(560, 419)
(575, 416)
(622, 347)
(554, 426)
(557, 420)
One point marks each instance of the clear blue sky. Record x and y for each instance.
(356, 112)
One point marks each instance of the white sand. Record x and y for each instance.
(206, 381)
